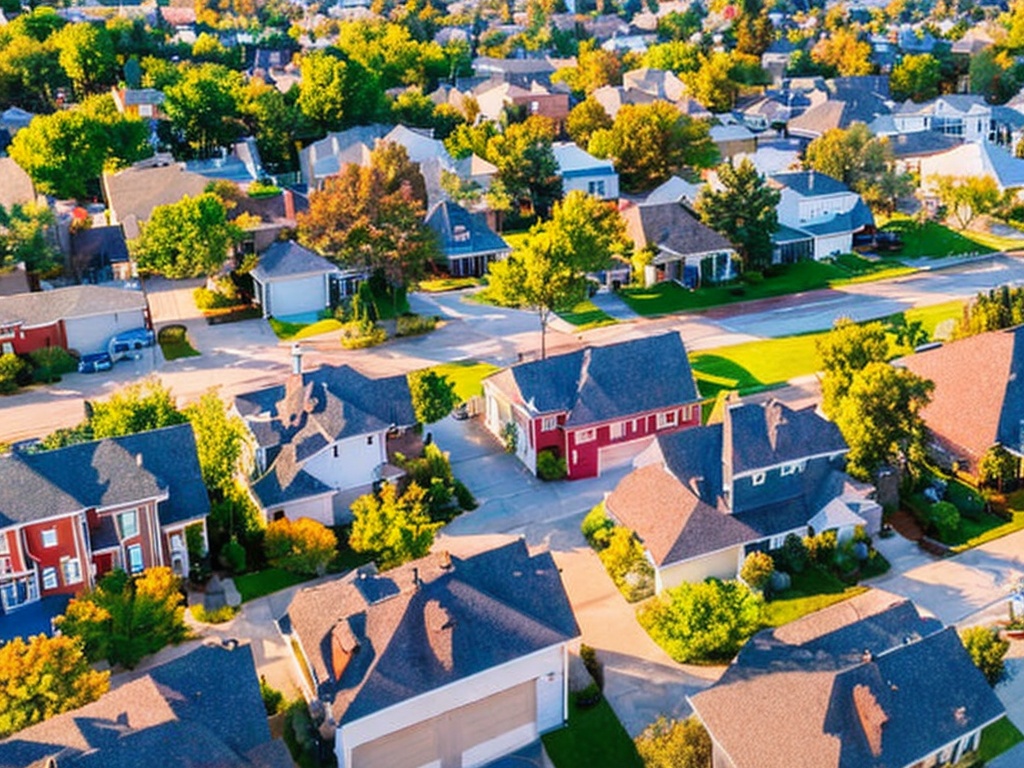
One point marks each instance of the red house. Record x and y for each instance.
(596, 408)
(69, 515)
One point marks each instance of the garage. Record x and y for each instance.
(291, 280)
(93, 334)
(620, 454)
(467, 736)
(296, 296)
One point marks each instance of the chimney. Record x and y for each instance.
(289, 204)
(867, 657)
(297, 359)
(446, 560)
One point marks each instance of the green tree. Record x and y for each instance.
(134, 408)
(526, 162)
(220, 439)
(394, 528)
(268, 116)
(880, 418)
(585, 119)
(945, 518)
(86, 54)
(712, 83)
(433, 395)
(11, 369)
(757, 570)
(967, 197)
(322, 92)
(994, 75)
(703, 622)
(595, 67)
(30, 72)
(848, 348)
(675, 744)
(301, 546)
(189, 238)
(203, 105)
(744, 210)
(126, 618)
(998, 467)
(674, 56)
(42, 677)
(24, 237)
(986, 651)
(916, 77)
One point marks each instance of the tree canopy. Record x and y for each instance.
(744, 210)
(966, 197)
(433, 395)
(394, 528)
(302, 546)
(845, 350)
(916, 77)
(220, 439)
(844, 51)
(189, 238)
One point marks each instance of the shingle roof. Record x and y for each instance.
(810, 183)
(671, 227)
(46, 307)
(203, 708)
(772, 434)
(463, 619)
(134, 192)
(601, 383)
(463, 233)
(573, 161)
(807, 695)
(921, 143)
(286, 259)
(103, 473)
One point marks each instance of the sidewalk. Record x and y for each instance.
(612, 304)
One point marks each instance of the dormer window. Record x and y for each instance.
(460, 233)
(793, 468)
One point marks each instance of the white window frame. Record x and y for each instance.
(776, 542)
(5, 548)
(548, 423)
(788, 469)
(128, 559)
(585, 436)
(5, 565)
(72, 569)
(49, 538)
(668, 419)
(50, 575)
(617, 430)
(121, 526)
(758, 478)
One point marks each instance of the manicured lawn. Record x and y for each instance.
(809, 591)
(932, 316)
(932, 240)
(284, 330)
(586, 315)
(997, 738)
(593, 738)
(755, 364)
(174, 343)
(260, 583)
(320, 326)
(467, 376)
(995, 529)
(442, 284)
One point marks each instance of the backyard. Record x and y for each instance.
(809, 591)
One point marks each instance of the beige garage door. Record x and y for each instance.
(442, 740)
(621, 454)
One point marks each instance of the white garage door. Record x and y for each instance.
(620, 454)
(467, 736)
(293, 297)
(92, 334)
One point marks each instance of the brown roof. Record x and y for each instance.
(133, 193)
(671, 227)
(15, 184)
(46, 307)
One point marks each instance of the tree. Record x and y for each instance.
(134, 408)
(757, 570)
(944, 517)
(189, 238)
(845, 51)
(433, 395)
(916, 77)
(12, 368)
(703, 622)
(24, 238)
(322, 92)
(880, 418)
(42, 677)
(86, 54)
(126, 618)
(220, 438)
(967, 197)
(585, 119)
(744, 210)
(848, 348)
(526, 162)
(998, 467)
(301, 546)
(675, 744)
(992, 73)
(203, 106)
(986, 651)
(712, 83)
(649, 142)
(269, 117)
(674, 56)
(595, 67)
(394, 528)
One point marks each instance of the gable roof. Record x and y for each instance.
(921, 143)
(866, 683)
(286, 259)
(672, 228)
(104, 473)
(463, 233)
(761, 436)
(180, 713)
(375, 640)
(810, 183)
(597, 384)
(978, 158)
(134, 192)
(573, 161)
(47, 307)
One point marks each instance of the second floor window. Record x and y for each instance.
(667, 419)
(50, 578)
(135, 559)
(758, 478)
(548, 423)
(585, 436)
(617, 430)
(72, 570)
(128, 522)
(49, 537)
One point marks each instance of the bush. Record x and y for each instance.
(597, 527)
(624, 559)
(588, 697)
(821, 549)
(207, 299)
(944, 518)
(463, 496)
(11, 369)
(261, 189)
(272, 698)
(51, 363)
(986, 651)
(753, 277)
(300, 546)
(757, 570)
(510, 437)
(362, 334)
(793, 555)
(675, 744)
(433, 395)
(550, 466)
(433, 473)
(233, 556)
(415, 325)
(218, 616)
(589, 658)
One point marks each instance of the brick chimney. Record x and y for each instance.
(289, 204)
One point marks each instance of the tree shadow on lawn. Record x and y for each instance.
(716, 374)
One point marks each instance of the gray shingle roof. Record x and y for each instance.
(768, 435)
(462, 233)
(102, 473)
(810, 183)
(289, 259)
(46, 307)
(478, 613)
(671, 227)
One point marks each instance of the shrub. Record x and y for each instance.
(300, 546)
(433, 473)
(944, 518)
(415, 325)
(11, 369)
(625, 562)
(753, 277)
(588, 697)
(550, 466)
(821, 549)
(757, 570)
(793, 555)
(463, 496)
(675, 744)
(272, 698)
(362, 334)
(986, 651)
(433, 395)
(207, 299)
(260, 189)
(510, 437)
(596, 527)
(589, 658)
(233, 556)
(216, 616)
(395, 529)
(51, 363)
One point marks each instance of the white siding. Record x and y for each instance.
(720, 565)
(583, 183)
(831, 245)
(320, 509)
(93, 334)
(357, 458)
(293, 297)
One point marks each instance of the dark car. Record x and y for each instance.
(127, 342)
(99, 361)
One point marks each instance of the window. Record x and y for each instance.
(595, 188)
(667, 419)
(5, 565)
(4, 547)
(50, 537)
(460, 233)
(758, 478)
(72, 570)
(788, 469)
(335, 451)
(128, 523)
(548, 423)
(617, 430)
(369, 440)
(777, 542)
(49, 578)
(585, 436)
(134, 558)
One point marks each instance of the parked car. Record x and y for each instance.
(126, 342)
(98, 361)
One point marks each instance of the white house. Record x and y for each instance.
(962, 115)
(441, 661)
(320, 439)
(581, 170)
(825, 211)
(973, 159)
(292, 280)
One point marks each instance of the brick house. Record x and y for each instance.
(597, 407)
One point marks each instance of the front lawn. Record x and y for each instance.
(593, 738)
(586, 315)
(933, 240)
(466, 375)
(266, 582)
(811, 590)
(174, 343)
(988, 529)
(441, 284)
(997, 738)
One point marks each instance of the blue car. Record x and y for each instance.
(126, 343)
(98, 361)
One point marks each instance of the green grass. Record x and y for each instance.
(997, 738)
(467, 376)
(809, 591)
(983, 535)
(586, 315)
(260, 583)
(593, 738)
(755, 365)
(931, 316)
(935, 241)
(285, 330)
(174, 343)
(320, 326)
(442, 284)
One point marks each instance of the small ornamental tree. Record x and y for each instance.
(433, 395)
(300, 546)
(675, 744)
(757, 570)
(986, 651)
(997, 467)
(945, 517)
(395, 528)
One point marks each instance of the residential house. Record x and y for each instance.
(675, 190)
(613, 97)
(909, 149)
(659, 83)
(685, 249)
(133, 193)
(99, 255)
(496, 96)
(702, 499)
(968, 117)
(867, 682)
(269, 218)
(139, 102)
(597, 407)
(203, 708)
(329, 155)
(849, 100)
(580, 170)
(965, 420)
(827, 212)
(442, 661)
(292, 280)
(13, 281)
(70, 515)
(733, 139)
(80, 317)
(467, 242)
(13, 119)
(972, 160)
(520, 72)
(320, 439)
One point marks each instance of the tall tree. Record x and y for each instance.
(203, 105)
(595, 67)
(433, 395)
(268, 116)
(744, 211)
(189, 238)
(916, 77)
(526, 162)
(322, 92)
(674, 56)
(843, 49)
(848, 348)
(585, 119)
(712, 83)
(966, 197)
(220, 439)
(394, 528)
(24, 237)
(86, 53)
